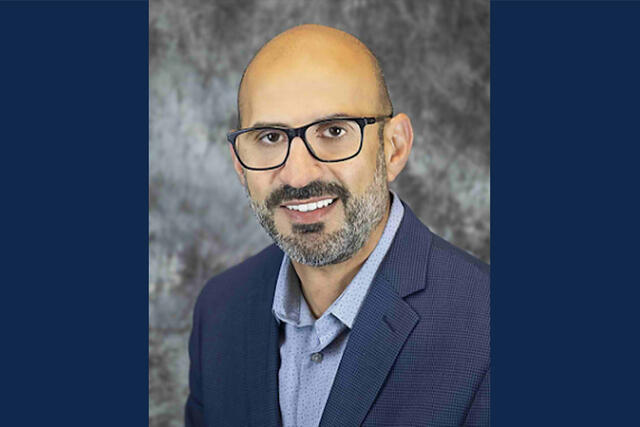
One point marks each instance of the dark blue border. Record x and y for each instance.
(564, 216)
(74, 172)
(74, 156)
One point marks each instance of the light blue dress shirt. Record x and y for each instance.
(311, 349)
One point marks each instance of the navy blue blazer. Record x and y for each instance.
(418, 353)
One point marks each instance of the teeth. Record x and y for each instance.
(308, 207)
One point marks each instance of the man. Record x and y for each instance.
(358, 314)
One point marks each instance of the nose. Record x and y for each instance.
(301, 167)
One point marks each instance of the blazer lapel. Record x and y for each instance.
(263, 351)
(382, 326)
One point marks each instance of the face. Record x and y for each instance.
(353, 195)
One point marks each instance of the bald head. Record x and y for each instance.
(312, 56)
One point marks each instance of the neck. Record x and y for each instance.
(321, 286)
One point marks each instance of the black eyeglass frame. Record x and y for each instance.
(300, 132)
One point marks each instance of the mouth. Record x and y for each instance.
(309, 210)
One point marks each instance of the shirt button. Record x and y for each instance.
(316, 357)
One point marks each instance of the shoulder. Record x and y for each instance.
(233, 284)
(459, 283)
(429, 256)
(455, 282)
(447, 260)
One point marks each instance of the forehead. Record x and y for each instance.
(297, 85)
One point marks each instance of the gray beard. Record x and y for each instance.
(310, 246)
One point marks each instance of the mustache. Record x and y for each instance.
(313, 189)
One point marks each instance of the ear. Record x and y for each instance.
(398, 140)
(237, 166)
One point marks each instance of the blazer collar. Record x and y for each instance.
(381, 328)
(405, 266)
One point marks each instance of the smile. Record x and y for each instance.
(309, 211)
(308, 207)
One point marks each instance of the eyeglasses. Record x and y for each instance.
(328, 140)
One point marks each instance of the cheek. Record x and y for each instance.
(357, 173)
(258, 186)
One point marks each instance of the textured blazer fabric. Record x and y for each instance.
(418, 353)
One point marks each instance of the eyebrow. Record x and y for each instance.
(285, 125)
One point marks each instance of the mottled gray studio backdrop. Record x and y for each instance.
(435, 55)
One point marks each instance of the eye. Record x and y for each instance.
(271, 137)
(333, 132)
